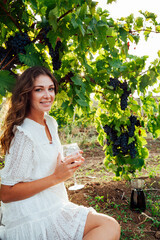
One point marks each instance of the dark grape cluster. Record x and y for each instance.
(120, 143)
(110, 132)
(112, 135)
(53, 53)
(115, 150)
(55, 58)
(18, 42)
(132, 149)
(133, 122)
(124, 99)
(124, 142)
(113, 82)
(14, 45)
(125, 94)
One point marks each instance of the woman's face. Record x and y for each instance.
(43, 94)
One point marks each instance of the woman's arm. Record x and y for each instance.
(63, 171)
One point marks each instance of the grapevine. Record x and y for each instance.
(115, 83)
(120, 144)
(18, 42)
(56, 62)
(14, 45)
(125, 94)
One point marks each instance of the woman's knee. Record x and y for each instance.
(114, 227)
(109, 224)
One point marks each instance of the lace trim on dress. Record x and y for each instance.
(23, 131)
(19, 160)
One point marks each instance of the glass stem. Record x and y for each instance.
(75, 181)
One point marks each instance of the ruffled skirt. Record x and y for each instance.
(64, 223)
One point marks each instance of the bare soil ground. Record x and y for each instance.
(113, 197)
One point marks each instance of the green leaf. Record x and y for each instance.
(82, 103)
(32, 56)
(144, 82)
(123, 34)
(131, 139)
(92, 7)
(145, 153)
(80, 94)
(77, 80)
(53, 19)
(73, 21)
(139, 23)
(33, 4)
(7, 82)
(110, 1)
(157, 133)
(80, 25)
(157, 28)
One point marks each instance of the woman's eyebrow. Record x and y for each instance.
(52, 85)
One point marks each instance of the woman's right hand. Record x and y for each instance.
(66, 168)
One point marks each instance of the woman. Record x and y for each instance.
(34, 200)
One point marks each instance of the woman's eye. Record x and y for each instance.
(51, 89)
(38, 89)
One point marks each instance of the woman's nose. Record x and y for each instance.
(47, 94)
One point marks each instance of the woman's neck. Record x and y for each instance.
(37, 117)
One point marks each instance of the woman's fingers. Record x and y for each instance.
(72, 158)
(59, 158)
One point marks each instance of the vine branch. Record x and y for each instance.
(13, 20)
(143, 30)
(5, 57)
(9, 62)
(69, 11)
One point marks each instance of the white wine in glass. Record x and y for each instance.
(72, 149)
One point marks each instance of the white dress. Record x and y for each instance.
(48, 215)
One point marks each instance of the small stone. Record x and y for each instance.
(157, 235)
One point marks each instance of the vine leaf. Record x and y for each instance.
(110, 1)
(32, 56)
(77, 80)
(7, 82)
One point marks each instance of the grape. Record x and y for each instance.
(124, 99)
(115, 150)
(125, 94)
(114, 83)
(18, 42)
(124, 142)
(120, 144)
(133, 119)
(124, 86)
(131, 130)
(107, 142)
(111, 133)
(138, 124)
(117, 142)
(55, 59)
(132, 149)
(107, 129)
(53, 53)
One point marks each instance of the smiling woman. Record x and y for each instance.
(35, 204)
(41, 97)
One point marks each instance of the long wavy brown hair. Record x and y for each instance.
(20, 103)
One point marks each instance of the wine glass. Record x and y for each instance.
(72, 149)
